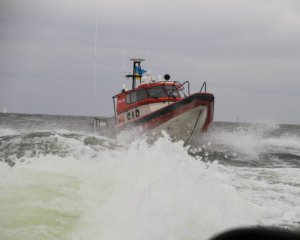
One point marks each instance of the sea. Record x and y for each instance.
(62, 180)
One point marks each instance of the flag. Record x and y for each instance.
(139, 72)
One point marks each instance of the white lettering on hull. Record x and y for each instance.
(140, 111)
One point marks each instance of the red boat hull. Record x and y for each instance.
(181, 119)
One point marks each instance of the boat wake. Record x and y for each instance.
(68, 185)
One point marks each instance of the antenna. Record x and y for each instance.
(124, 54)
(96, 38)
(147, 52)
(95, 68)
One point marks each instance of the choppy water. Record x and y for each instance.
(61, 181)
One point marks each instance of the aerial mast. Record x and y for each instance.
(137, 71)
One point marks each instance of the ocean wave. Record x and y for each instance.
(155, 191)
(68, 185)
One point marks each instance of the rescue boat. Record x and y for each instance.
(163, 105)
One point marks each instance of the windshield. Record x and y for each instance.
(156, 92)
(172, 91)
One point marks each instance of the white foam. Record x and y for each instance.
(7, 131)
(252, 140)
(287, 141)
(139, 191)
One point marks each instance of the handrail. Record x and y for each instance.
(180, 85)
(203, 86)
(115, 113)
(99, 123)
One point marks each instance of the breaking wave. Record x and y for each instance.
(68, 185)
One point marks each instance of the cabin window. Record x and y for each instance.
(172, 91)
(156, 92)
(136, 96)
(133, 96)
(141, 94)
(128, 98)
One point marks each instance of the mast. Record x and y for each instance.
(135, 74)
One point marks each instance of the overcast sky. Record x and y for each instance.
(248, 52)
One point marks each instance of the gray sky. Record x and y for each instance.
(248, 52)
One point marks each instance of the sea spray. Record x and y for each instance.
(140, 191)
(69, 184)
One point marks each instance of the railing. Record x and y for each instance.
(115, 113)
(99, 123)
(179, 86)
(203, 87)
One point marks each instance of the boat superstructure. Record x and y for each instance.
(162, 105)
